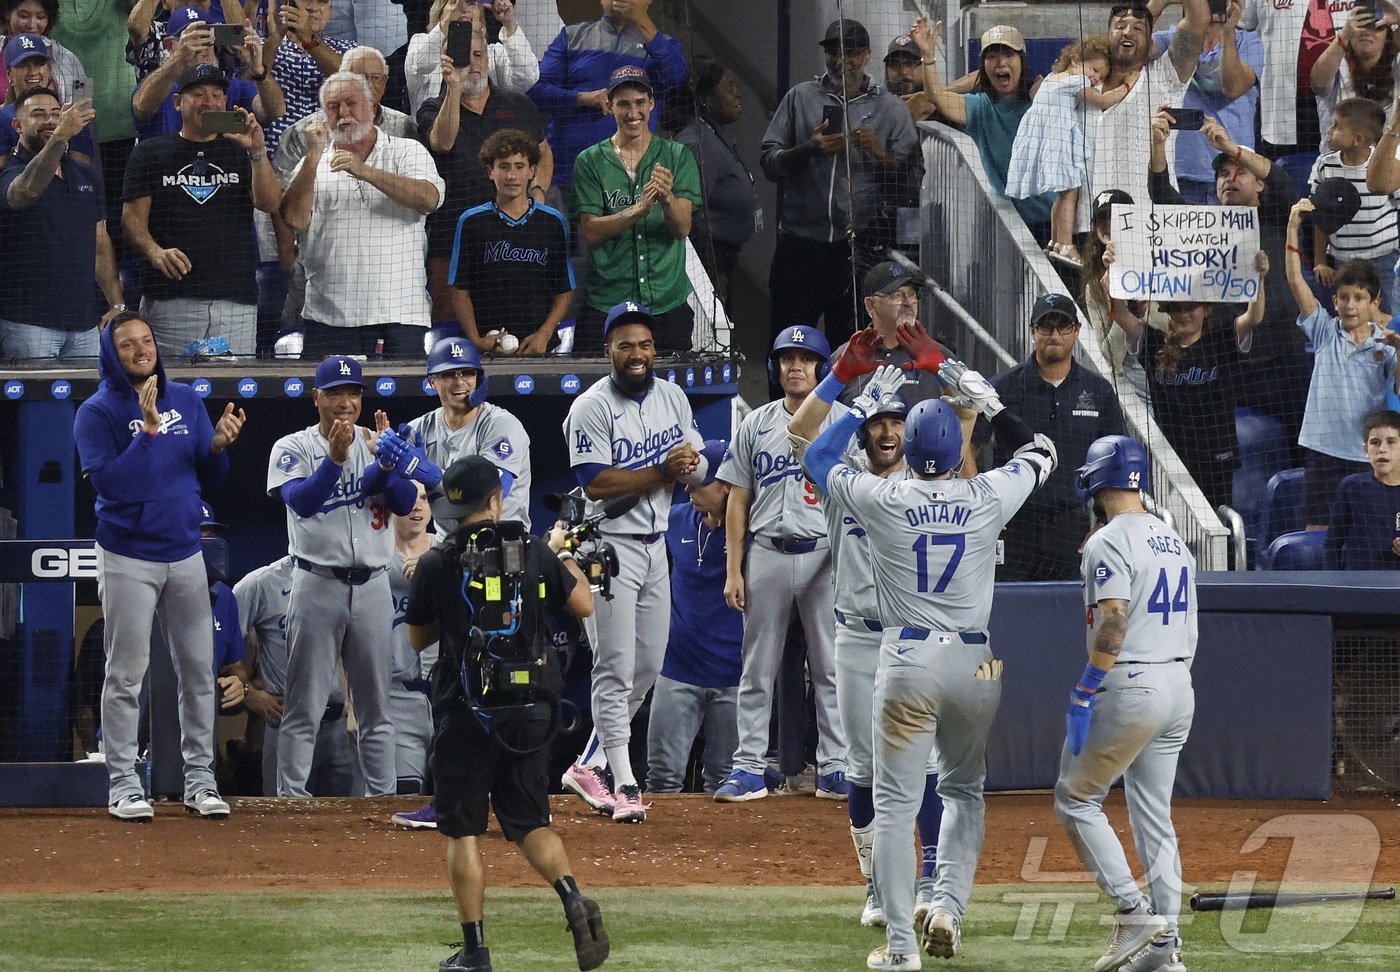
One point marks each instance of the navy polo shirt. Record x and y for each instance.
(707, 635)
(52, 241)
(240, 95)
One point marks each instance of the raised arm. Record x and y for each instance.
(1383, 171)
(1293, 262)
(1236, 77)
(1253, 315)
(1186, 46)
(296, 205)
(949, 104)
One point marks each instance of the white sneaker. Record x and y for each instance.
(872, 915)
(1132, 933)
(1158, 957)
(923, 904)
(942, 934)
(132, 808)
(208, 804)
(883, 958)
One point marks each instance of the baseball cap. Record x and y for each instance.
(207, 518)
(25, 47)
(629, 74)
(1003, 36)
(201, 74)
(887, 277)
(713, 451)
(185, 16)
(628, 312)
(1107, 198)
(1048, 305)
(338, 369)
(852, 32)
(1336, 203)
(904, 46)
(465, 484)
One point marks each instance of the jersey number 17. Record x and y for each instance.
(958, 541)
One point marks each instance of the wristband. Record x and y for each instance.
(1092, 678)
(311, 45)
(259, 154)
(255, 78)
(1294, 249)
(567, 555)
(830, 388)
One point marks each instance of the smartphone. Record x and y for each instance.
(489, 21)
(83, 88)
(218, 122)
(1187, 119)
(1217, 10)
(228, 35)
(459, 43)
(835, 118)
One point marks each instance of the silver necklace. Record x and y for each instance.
(701, 545)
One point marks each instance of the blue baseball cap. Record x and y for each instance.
(629, 74)
(713, 451)
(25, 47)
(185, 16)
(338, 369)
(628, 312)
(207, 518)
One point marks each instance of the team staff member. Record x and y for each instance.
(148, 447)
(629, 435)
(338, 499)
(469, 767)
(408, 683)
(1131, 711)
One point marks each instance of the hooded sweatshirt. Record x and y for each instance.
(148, 486)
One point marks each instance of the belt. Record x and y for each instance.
(420, 685)
(796, 545)
(851, 621)
(922, 634)
(643, 537)
(350, 575)
(1168, 661)
(334, 711)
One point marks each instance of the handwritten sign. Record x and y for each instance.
(1197, 253)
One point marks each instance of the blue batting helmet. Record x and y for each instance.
(933, 438)
(1112, 462)
(455, 354)
(894, 405)
(802, 338)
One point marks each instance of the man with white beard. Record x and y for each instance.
(360, 209)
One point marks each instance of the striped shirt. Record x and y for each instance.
(1372, 231)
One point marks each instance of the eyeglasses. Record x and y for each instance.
(1047, 327)
(902, 296)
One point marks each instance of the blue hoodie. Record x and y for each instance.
(148, 504)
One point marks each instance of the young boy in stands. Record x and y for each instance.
(1363, 532)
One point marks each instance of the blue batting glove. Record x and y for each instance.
(1081, 708)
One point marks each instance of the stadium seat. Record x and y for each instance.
(1283, 505)
(1298, 167)
(1300, 550)
(1263, 453)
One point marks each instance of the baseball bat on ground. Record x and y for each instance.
(1239, 901)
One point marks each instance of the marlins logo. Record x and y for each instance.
(201, 180)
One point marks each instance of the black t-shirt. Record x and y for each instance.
(1196, 406)
(513, 269)
(202, 204)
(460, 166)
(436, 596)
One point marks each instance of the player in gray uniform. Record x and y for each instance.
(262, 597)
(409, 707)
(629, 434)
(1131, 711)
(338, 498)
(467, 424)
(787, 564)
(933, 550)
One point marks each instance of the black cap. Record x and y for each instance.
(1336, 203)
(887, 277)
(465, 484)
(201, 74)
(1053, 305)
(903, 46)
(1108, 197)
(851, 32)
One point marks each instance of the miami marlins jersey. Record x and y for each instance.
(408, 664)
(1139, 559)
(932, 543)
(350, 529)
(493, 433)
(785, 505)
(852, 574)
(606, 428)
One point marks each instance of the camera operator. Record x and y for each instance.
(482, 751)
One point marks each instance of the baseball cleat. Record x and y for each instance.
(478, 961)
(208, 804)
(629, 807)
(833, 786)
(1158, 957)
(132, 808)
(883, 958)
(740, 786)
(923, 903)
(872, 915)
(424, 818)
(942, 934)
(1132, 932)
(588, 783)
(590, 939)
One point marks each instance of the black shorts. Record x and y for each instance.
(1322, 474)
(470, 770)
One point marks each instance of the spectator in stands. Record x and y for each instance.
(904, 74)
(1353, 366)
(1224, 87)
(190, 41)
(1093, 294)
(145, 32)
(634, 193)
(512, 64)
(510, 271)
(991, 113)
(28, 69)
(360, 210)
(188, 209)
(1294, 36)
(814, 267)
(40, 17)
(1356, 127)
(380, 24)
(1363, 530)
(299, 57)
(455, 126)
(1361, 61)
(730, 215)
(53, 218)
(575, 74)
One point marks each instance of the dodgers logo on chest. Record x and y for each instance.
(769, 468)
(627, 451)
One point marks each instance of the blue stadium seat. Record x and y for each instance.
(1263, 453)
(1298, 167)
(1301, 550)
(1282, 506)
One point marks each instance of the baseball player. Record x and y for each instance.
(408, 688)
(1130, 713)
(629, 434)
(788, 564)
(467, 424)
(338, 498)
(262, 597)
(932, 540)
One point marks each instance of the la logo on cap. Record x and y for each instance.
(345, 367)
(27, 44)
(632, 308)
(798, 337)
(458, 351)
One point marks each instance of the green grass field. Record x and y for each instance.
(720, 929)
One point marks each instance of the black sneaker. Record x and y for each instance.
(590, 940)
(478, 961)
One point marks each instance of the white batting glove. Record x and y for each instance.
(971, 385)
(884, 383)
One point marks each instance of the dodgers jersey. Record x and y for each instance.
(852, 573)
(607, 429)
(262, 607)
(350, 529)
(932, 542)
(785, 504)
(1139, 559)
(407, 663)
(493, 433)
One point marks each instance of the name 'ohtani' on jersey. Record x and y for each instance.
(629, 451)
(930, 514)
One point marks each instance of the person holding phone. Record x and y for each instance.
(28, 68)
(300, 57)
(512, 64)
(1361, 61)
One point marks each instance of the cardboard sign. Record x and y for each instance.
(1197, 253)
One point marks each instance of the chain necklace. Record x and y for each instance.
(701, 545)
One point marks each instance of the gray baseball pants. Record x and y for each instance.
(413, 732)
(678, 709)
(332, 768)
(857, 662)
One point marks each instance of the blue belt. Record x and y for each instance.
(354, 576)
(854, 622)
(796, 545)
(644, 537)
(421, 685)
(921, 634)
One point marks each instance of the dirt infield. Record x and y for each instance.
(794, 840)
